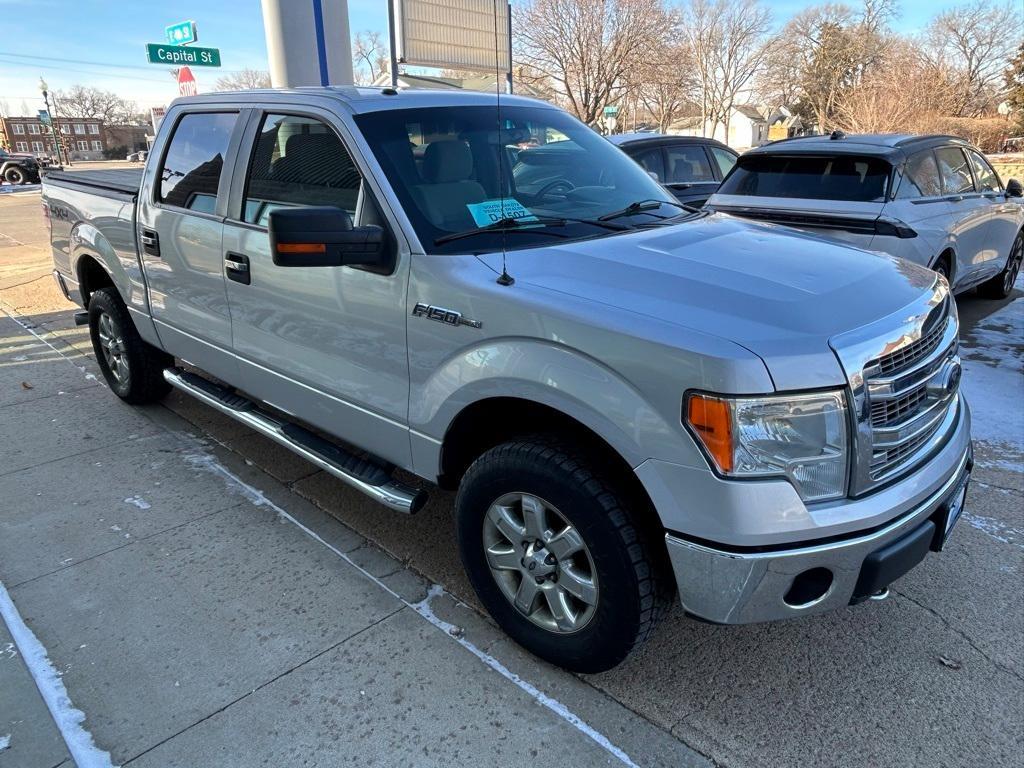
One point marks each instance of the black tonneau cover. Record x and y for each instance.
(125, 181)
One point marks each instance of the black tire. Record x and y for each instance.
(1001, 286)
(942, 267)
(634, 587)
(15, 175)
(141, 379)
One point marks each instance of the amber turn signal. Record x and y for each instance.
(301, 248)
(711, 422)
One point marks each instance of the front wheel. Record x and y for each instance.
(1000, 286)
(556, 557)
(132, 368)
(16, 176)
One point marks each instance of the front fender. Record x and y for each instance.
(554, 375)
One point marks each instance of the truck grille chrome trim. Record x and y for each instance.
(904, 381)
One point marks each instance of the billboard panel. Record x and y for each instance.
(453, 34)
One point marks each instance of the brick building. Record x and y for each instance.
(83, 137)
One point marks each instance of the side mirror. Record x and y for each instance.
(323, 237)
(1014, 188)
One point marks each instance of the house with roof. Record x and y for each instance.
(748, 128)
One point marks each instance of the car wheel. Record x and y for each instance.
(132, 368)
(1000, 286)
(556, 557)
(15, 176)
(942, 267)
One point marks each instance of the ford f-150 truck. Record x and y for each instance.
(632, 398)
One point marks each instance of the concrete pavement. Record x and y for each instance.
(932, 677)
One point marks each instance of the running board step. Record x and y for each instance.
(367, 475)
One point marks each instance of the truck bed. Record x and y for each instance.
(121, 181)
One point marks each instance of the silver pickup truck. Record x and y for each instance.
(632, 398)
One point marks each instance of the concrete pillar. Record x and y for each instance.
(308, 42)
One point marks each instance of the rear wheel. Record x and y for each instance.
(556, 557)
(132, 368)
(1000, 286)
(15, 175)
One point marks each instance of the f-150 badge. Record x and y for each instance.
(442, 315)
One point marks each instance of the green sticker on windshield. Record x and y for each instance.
(493, 211)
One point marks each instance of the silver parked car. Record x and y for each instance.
(934, 200)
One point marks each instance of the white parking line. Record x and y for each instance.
(68, 719)
(208, 463)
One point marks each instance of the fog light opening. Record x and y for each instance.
(809, 587)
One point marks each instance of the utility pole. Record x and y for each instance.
(53, 126)
(307, 42)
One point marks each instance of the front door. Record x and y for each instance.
(970, 214)
(325, 344)
(179, 231)
(1005, 215)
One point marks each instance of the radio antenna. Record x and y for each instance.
(504, 278)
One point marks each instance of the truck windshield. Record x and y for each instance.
(454, 169)
(834, 177)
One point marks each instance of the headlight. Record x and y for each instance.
(800, 437)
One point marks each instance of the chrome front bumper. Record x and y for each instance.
(741, 587)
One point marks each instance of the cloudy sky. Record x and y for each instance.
(102, 42)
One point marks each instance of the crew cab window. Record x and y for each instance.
(839, 177)
(956, 174)
(986, 177)
(298, 161)
(191, 169)
(687, 164)
(920, 177)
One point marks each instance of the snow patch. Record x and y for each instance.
(138, 501)
(999, 531)
(5, 742)
(68, 719)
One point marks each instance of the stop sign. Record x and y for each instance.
(186, 82)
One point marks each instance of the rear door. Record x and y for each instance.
(688, 172)
(179, 230)
(326, 344)
(970, 214)
(920, 203)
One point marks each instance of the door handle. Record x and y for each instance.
(236, 267)
(150, 242)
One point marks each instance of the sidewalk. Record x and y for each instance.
(199, 613)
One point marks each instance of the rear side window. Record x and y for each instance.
(298, 161)
(843, 177)
(725, 159)
(651, 161)
(687, 164)
(920, 177)
(956, 174)
(988, 181)
(195, 158)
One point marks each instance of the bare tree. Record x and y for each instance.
(663, 82)
(85, 101)
(243, 79)
(370, 57)
(730, 44)
(586, 48)
(974, 43)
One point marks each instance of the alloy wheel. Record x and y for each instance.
(540, 562)
(112, 345)
(1013, 268)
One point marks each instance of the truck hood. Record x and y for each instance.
(780, 294)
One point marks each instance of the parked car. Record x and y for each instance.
(691, 167)
(18, 168)
(136, 157)
(934, 200)
(628, 398)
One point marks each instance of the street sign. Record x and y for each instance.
(611, 111)
(44, 117)
(182, 33)
(193, 56)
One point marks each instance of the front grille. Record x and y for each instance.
(905, 411)
(906, 356)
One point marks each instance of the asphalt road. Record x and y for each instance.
(934, 676)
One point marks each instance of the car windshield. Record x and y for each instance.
(835, 177)
(454, 169)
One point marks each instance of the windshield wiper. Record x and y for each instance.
(535, 224)
(645, 206)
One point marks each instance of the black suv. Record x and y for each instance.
(690, 167)
(18, 168)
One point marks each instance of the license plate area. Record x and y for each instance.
(949, 513)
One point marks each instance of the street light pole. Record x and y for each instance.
(53, 128)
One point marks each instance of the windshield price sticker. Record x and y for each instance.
(493, 211)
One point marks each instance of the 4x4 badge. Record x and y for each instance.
(442, 315)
